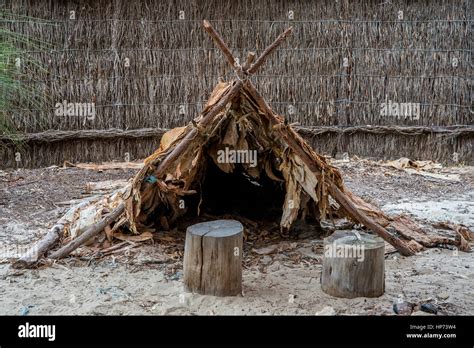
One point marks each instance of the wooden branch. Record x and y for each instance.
(47, 242)
(220, 42)
(230, 58)
(43, 245)
(249, 60)
(269, 50)
(334, 190)
(52, 237)
(356, 214)
(92, 231)
(225, 49)
(207, 118)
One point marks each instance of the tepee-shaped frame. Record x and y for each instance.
(325, 178)
(236, 116)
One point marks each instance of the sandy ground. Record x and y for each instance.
(147, 280)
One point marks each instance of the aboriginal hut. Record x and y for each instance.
(236, 150)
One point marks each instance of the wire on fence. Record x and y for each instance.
(201, 103)
(205, 49)
(199, 21)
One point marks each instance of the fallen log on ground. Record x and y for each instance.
(48, 241)
(88, 234)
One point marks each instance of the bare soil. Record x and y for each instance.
(281, 274)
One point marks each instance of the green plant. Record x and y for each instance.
(17, 66)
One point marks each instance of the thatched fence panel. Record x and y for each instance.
(149, 64)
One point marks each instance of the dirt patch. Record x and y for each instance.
(281, 275)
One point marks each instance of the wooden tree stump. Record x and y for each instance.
(353, 265)
(213, 258)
